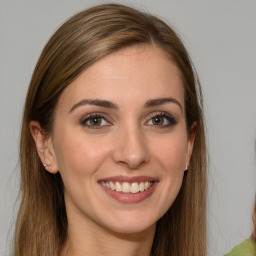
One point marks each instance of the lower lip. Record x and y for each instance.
(130, 198)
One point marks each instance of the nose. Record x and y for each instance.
(131, 148)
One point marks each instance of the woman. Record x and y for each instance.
(248, 247)
(108, 135)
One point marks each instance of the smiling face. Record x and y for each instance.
(120, 141)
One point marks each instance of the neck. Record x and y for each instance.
(100, 241)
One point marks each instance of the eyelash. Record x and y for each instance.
(92, 116)
(166, 116)
(169, 118)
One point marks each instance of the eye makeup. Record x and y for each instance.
(95, 121)
(161, 119)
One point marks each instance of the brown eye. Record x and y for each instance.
(161, 119)
(158, 120)
(95, 121)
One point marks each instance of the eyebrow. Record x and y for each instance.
(111, 105)
(95, 102)
(161, 101)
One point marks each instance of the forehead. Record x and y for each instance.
(140, 72)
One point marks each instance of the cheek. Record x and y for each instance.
(78, 155)
(171, 153)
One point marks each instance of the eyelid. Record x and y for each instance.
(172, 121)
(85, 118)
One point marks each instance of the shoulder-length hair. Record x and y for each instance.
(42, 225)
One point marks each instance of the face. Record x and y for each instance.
(120, 141)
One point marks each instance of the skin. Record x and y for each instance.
(132, 139)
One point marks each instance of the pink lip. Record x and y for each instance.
(130, 198)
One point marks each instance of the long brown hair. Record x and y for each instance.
(41, 227)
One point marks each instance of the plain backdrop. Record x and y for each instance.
(221, 39)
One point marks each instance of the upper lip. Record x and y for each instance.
(129, 179)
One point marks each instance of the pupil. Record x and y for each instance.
(158, 120)
(96, 121)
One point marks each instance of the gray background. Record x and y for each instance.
(221, 38)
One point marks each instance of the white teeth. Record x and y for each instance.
(126, 187)
(112, 185)
(142, 187)
(118, 187)
(135, 187)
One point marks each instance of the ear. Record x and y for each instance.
(44, 147)
(191, 139)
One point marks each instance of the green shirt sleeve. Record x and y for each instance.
(246, 248)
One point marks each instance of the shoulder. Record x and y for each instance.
(246, 248)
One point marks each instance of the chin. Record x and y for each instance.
(132, 223)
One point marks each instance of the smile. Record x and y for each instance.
(129, 189)
(126, 187)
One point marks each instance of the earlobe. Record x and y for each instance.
(44, 147)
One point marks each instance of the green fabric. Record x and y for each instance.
(246, 248)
